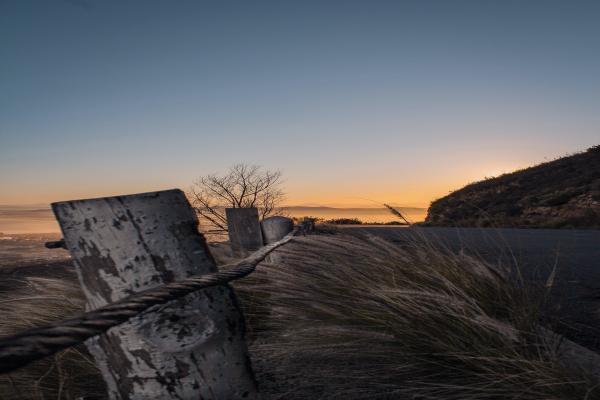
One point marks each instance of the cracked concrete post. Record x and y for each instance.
(244, 231)
(190, 348)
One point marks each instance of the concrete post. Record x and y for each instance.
(244, 230)
(190, 348)
(275, 228)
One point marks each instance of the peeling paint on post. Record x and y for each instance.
(244, 230)
(189, 348)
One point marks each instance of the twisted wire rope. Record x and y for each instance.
(23, 348)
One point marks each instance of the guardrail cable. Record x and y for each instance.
(21, 349)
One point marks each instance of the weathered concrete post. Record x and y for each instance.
(275, 228)
(244, 230)
(190, 348)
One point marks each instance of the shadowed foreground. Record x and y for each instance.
(337, 316)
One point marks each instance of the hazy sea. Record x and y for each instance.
(23, 230)
(39, 219)
(27, 219)
(20, 249)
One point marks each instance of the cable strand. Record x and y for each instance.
(23, 348)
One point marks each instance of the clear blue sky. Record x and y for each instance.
(399, 101)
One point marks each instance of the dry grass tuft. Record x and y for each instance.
(344, 317)
(336, 316)
(29, 301)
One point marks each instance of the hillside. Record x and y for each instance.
(564, 193)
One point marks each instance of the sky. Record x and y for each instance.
(395, 101)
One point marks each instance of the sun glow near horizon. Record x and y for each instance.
(305, 194)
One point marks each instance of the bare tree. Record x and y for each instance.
(242, 186)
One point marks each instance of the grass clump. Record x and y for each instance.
(351, 318)
(345, 317)
(30, 297)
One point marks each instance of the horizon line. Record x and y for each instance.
(47, 206)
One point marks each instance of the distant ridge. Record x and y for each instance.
(365, 214)
(564, 193)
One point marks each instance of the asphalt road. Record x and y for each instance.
(575, 253)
